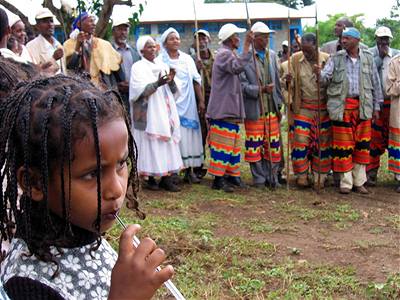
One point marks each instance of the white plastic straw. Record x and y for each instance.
(169, 285)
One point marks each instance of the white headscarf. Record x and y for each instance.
(141, 42)
(166, 33)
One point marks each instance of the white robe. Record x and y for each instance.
(158, 144)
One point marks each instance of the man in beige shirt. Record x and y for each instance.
(311, 147)
(393, 90)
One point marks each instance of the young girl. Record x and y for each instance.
(67, 145)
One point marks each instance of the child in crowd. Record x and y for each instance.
(67, 145)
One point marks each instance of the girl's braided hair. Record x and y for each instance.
(12, 73)
(40, 123)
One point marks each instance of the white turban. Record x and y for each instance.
(167, 33)
(141, 42)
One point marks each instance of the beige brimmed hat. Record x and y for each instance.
(228, 30)
(121, 21)
(260, 27)
(44, 13)
(383, 31)
(203, 31)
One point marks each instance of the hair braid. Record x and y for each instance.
(40, 124)
(93, 117)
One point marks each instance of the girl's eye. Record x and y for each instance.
(90, 176)
(122, 164)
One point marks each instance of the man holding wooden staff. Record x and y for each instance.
(226, 109)
(312, 130)
(262, 119)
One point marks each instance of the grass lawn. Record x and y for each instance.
(262, 244)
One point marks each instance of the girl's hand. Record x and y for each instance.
(134, 275)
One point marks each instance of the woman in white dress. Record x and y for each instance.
(188, 81)
(156, 126)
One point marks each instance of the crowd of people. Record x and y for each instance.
(89, 118)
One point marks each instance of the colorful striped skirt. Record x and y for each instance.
(379, 136)
(394, 150)
(351, 139)
(224, 142)
(305, 145)
(261, 136)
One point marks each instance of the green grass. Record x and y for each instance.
(232, 246)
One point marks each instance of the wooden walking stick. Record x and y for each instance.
(319, 102)
(196, 28)
(261, 102)
(288, 106)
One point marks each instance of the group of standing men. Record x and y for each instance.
(343, 111)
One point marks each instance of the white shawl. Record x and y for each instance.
(162, 116)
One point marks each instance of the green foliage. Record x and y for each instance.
(385, 291)
(326, 29)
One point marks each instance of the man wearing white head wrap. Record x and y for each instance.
(156, 126)
(188, 81)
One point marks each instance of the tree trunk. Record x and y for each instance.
(105, 14)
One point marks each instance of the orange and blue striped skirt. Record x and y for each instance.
(224, 142)
(351, 139)
(258, 144)
(394, 150)
(379, 136)
(306, 141)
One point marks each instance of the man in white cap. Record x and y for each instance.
(283, 54)
(204, 65)
(380, 127)
(45, 48)
(129, 54)
(262, 125)
(226, 108)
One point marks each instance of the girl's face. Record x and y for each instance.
(172, 42)
(113, 140)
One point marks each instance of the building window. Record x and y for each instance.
(212, 26)
(178, 27)
(144, 29)
(275, 24)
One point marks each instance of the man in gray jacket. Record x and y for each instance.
(120, 33)
(262, 102)
(226, 109)
(354, 95)
(380, 127)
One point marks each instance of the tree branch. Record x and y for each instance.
(16, 11)
(123, 2)
(105, 14)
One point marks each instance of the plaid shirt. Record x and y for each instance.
(353, 72)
